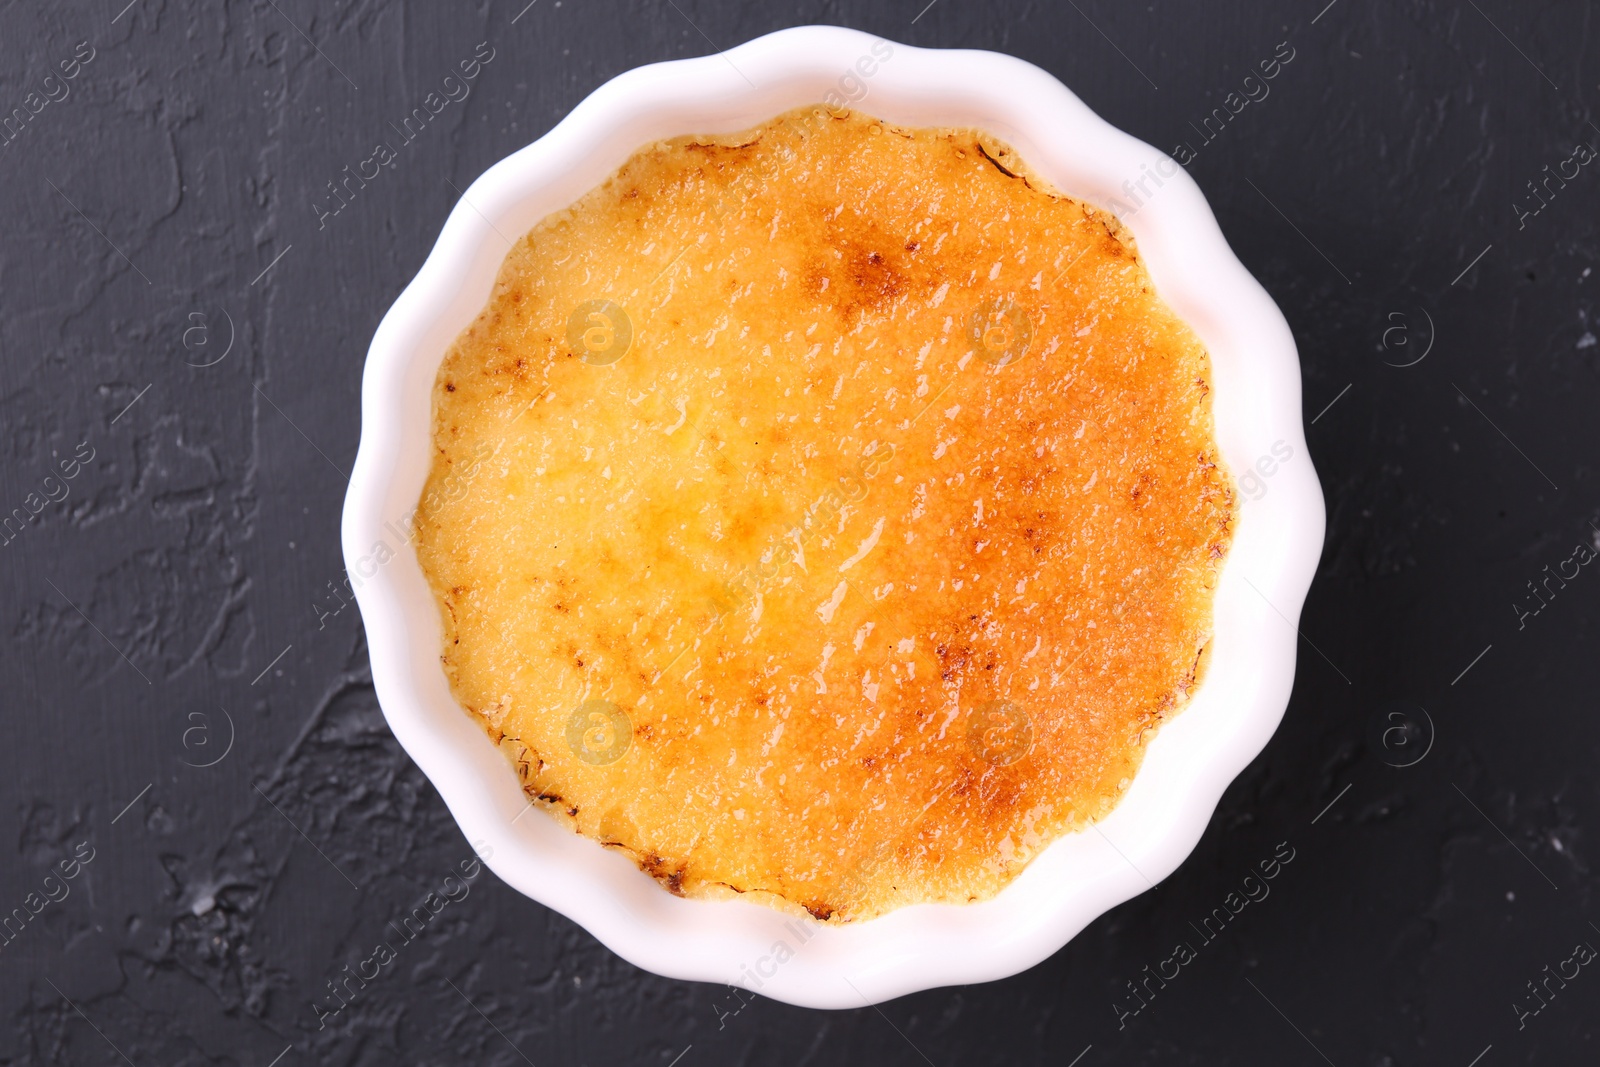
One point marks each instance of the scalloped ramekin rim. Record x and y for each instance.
(1256, 403)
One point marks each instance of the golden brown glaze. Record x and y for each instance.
(828, 512)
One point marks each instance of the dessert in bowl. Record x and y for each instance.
(819, 509)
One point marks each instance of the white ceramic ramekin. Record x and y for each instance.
(1193, 758)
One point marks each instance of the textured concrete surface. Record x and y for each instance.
(206, 820)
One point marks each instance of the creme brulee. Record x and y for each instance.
(828, 513)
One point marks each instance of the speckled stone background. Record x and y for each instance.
(190, 728)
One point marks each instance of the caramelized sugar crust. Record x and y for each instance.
(854, 551)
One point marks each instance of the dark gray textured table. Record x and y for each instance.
(183, 318)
